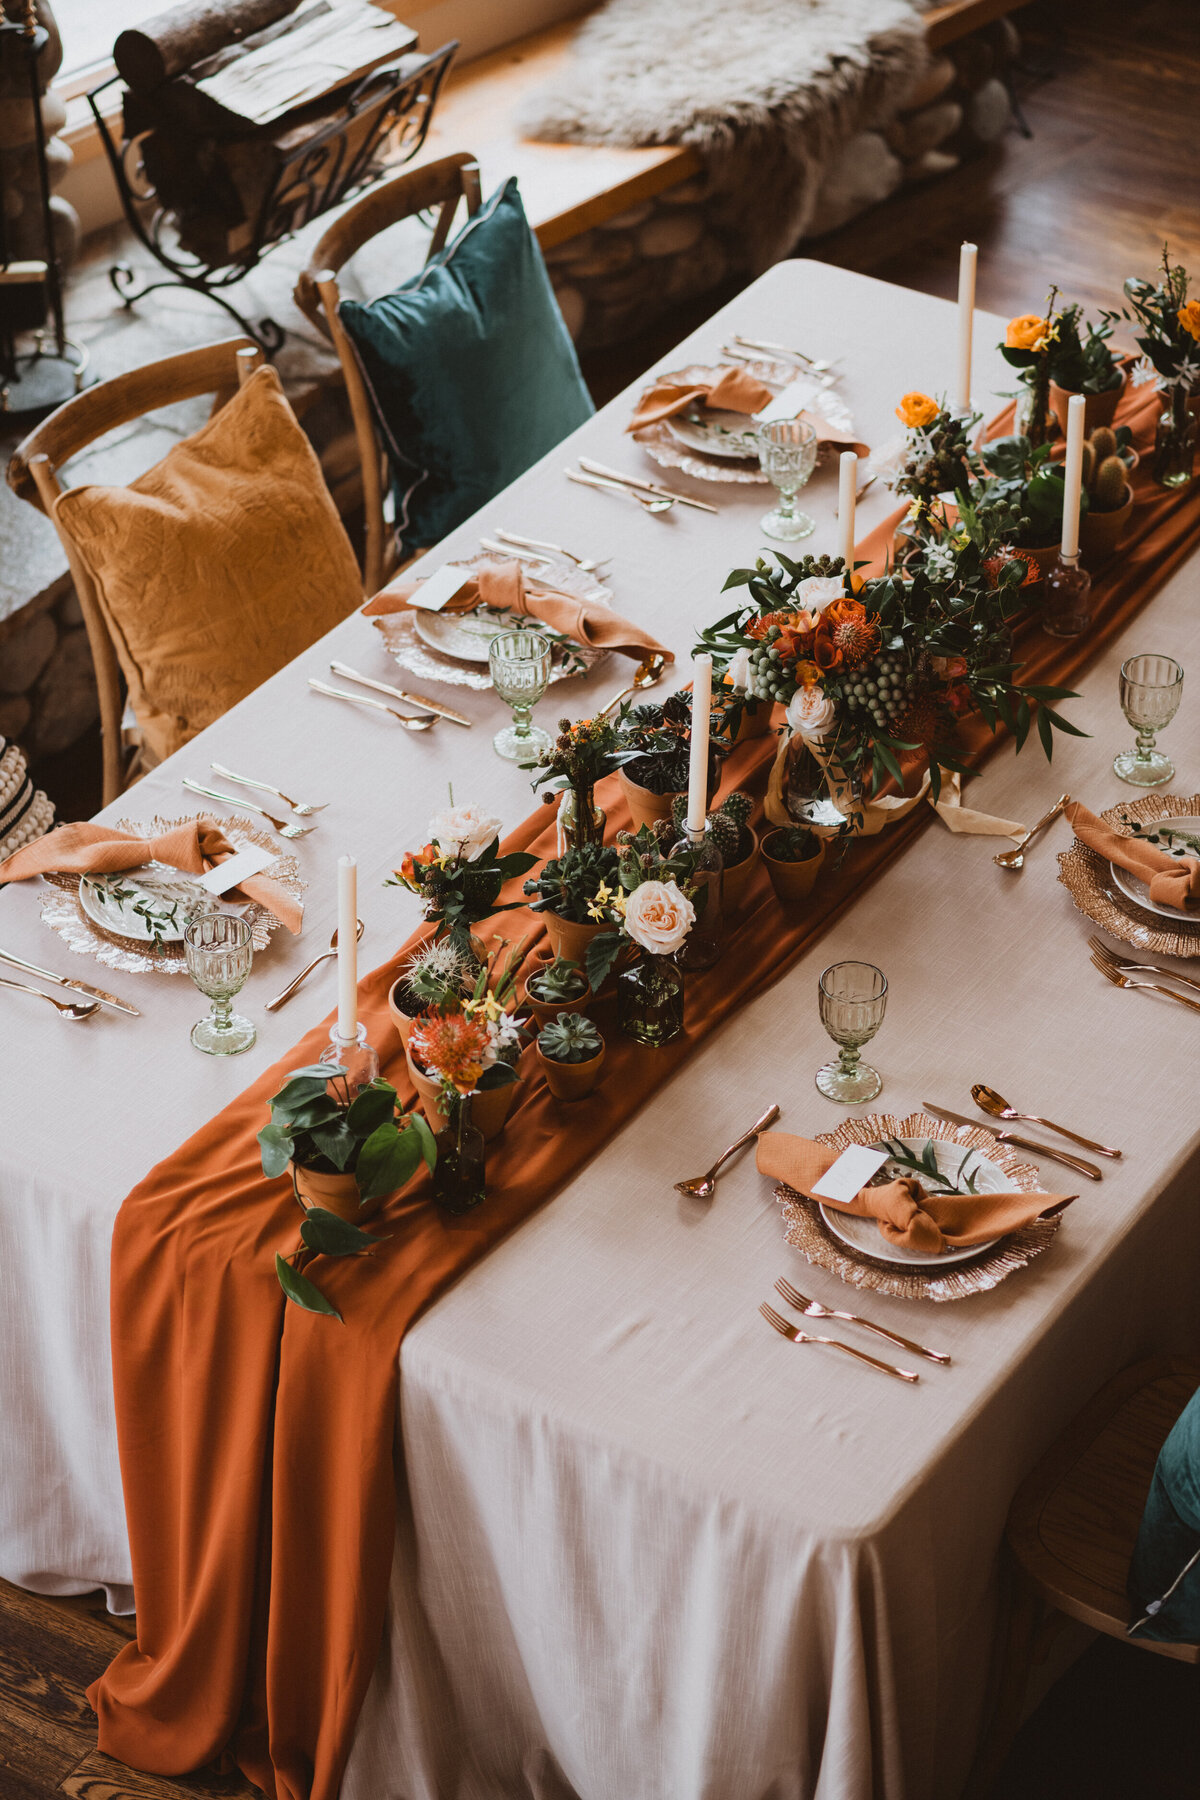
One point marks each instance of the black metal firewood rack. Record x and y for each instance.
(387, 113)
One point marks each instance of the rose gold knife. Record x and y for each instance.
(1077, 1163)
(381, 687)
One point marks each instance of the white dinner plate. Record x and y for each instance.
(723, 434)
(149, 905)
(1138, 891)
(466, 636)
(865, 1236)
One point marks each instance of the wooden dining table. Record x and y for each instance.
(646, 1547)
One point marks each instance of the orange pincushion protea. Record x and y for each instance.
(993, 565)
(452, 1046)
(847, 636)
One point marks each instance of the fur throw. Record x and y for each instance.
(766, 90)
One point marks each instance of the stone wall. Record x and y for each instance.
(48, 693)
(616, 279)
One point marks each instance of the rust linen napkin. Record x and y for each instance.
(501, 585)
(733, 391)
(905, 1214)
(88, 848)
(1172, 880)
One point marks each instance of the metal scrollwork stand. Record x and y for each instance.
(390, 108)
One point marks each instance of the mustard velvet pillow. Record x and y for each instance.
(217, 566)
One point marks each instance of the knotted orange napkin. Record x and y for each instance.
(906, 1215)
(91, 849)
(733, 391)
(501, 585)
(1172, 880)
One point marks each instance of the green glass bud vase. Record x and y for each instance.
(459, 1178)
(1175, 440)
(650, 1000)
(580, 820)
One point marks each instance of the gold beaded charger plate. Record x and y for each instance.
(146, 953)
(1092, 882)
(453, 647)
(688, 443)
(974, 1271)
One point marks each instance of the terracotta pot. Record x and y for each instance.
(489, 1110)
(336, 1193)
(756, 720)
(1098, 409)
(571, 1081)
(544, 1010)
(570, 939)
(645, 808)
(792, 880)
(738, 877)
(404, 1021)
(1099, 531)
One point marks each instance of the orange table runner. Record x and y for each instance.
(257, 1440)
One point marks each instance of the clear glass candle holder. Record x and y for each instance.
(219, 951)
(1151, 688)
(519, 662)
(852, 997)
(787, 454)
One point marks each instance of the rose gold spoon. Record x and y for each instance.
(701, 1187)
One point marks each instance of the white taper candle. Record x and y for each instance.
(966, 318)
(347, 958)
(847, 486)
(698, 764)
(1073, 475)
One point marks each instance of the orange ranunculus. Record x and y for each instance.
(807, 675)
(1189, 318)
(916, 410)
(1028, 332)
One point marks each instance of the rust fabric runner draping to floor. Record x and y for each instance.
(257, 1440)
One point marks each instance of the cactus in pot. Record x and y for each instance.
(1105, 474)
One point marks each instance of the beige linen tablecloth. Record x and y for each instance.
(648, 1550)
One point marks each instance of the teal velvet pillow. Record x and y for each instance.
(471, 371)
(1164, 1574)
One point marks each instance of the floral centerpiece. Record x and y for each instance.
(1060, 353)
(1169, 338)
(574, 893)
(651, 913)
(938, 458)
(658, 740)
(581, 755)
(459, 872)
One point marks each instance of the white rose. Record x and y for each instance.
(739, 671)
(658, 917)
(463, 828)
(815, 594)
(811, 712)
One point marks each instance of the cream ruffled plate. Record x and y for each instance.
(150, 905)
(1139, 891)
(953, 1160)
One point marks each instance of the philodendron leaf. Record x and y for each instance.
(302, 1292)
(313, 1112)
(335, 1141)
(276, 1147)
(316, 1071)
(372, 1108)
(298, 1092)
(386, 1161)
(602, 953)
(417, 1123)
(330, 1235)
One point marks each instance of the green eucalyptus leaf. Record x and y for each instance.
(275, 1145)
(330, 1235)
(302, 1292)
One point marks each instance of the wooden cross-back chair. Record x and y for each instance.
(441, 184)
(219, 369)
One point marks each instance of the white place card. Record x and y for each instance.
(794, 398)
(852, 1171)
(439, 588)
(251, 860)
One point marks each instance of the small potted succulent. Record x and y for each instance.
(571, 1052)
(659, 738)
(556, 986)
(1108, 462)
(574, 894)
(347, 1153)
(737, 843)
(793, 856)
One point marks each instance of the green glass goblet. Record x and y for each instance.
(852, 997)
(219, 950)
(787, 454)
(519, 662)
(1151, 689)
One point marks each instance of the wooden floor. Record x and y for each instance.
(1112, 94)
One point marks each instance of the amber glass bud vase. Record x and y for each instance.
(1067, 606)
(1175, 440)
(580, 820)
(459, 1179)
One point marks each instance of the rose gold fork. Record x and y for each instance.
(814, 1310)
(1150, 987)
(804, 1337)
(1102, 953)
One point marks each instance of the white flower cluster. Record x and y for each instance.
(463, 831)
(503, 1034)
